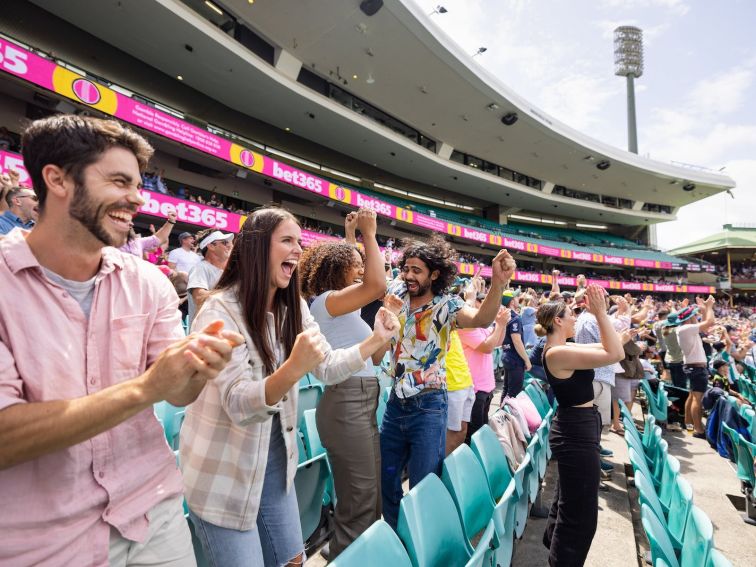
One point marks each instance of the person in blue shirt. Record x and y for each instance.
(23, 208)
(516, 359)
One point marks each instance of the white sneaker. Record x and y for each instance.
(689, 426)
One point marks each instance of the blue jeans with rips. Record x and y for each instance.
(413, 434)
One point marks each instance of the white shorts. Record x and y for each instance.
(460, 408)
(602, 398)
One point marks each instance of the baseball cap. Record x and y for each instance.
(214, 236)
(185, 235)
(508, 296)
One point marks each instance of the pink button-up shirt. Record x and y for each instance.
(58, 509)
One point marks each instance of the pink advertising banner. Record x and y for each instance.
(40, 71)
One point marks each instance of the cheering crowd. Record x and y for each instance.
(86, 474)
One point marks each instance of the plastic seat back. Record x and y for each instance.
(639, 464)
(716, 559)
(429, 526)
(504, 522)
(378, 546)
(679, 510)
(746, 458)
(484, 551)
(661, 546)
(310, 483)
(464, 478)
(485, 445)
(309, 429)
(659, 458)
(669, 474)
(732, 437)
(698, 538)
(648, 495)
(309, 396)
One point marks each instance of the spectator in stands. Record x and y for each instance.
(626, 382)
(8, 180)
(139, 245)
(413, 430)
(694, 358)
(6, 140)
(340, 280)
(661, 344)
(674, 357)
(215, 247)
(22, 212)
(86, 475)
(528, 318)
(575, 431)
(184, 258)
(460, 392)
(478, 345)
(239, 441)
(516, 359)
(588, 331)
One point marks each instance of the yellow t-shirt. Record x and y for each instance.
(458, 375)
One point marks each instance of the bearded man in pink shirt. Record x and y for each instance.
(90, 339)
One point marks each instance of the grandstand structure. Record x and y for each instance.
(322, 108)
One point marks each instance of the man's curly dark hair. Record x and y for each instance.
(323, 267)
(437, 254)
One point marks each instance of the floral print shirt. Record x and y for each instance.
(417, 355)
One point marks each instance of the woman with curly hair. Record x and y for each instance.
(413, 431)
(339, 280)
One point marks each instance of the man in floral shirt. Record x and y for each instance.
(413, 430)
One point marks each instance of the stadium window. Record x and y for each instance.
(313, 81)
(472, 161)
(459, 157)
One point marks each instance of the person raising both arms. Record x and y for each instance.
(576, 429)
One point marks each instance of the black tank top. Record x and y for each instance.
(573, 391)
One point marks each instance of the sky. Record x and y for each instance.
(695, 103)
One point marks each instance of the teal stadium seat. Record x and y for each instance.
(716, 559)
(310, 484)
(680, 506)
(697, 541)
(464, 478)
(668, 478)
(431, 531)
(310, 393)
(486, 447)
(171, 418)
(648, 496)
(379, 546)
(658, 538)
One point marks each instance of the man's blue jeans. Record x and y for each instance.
(413, 434)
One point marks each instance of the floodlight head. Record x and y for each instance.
(628, 51)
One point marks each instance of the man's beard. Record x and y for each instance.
(421, 289)
(90, 215)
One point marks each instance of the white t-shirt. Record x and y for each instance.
(185, 260)
(691, 344)
(203, 276)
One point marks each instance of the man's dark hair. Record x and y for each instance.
(73, 143)
(436, 254)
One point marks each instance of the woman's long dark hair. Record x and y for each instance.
(248, 273)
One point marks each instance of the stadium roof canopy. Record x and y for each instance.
(730, 238)
(406, 67)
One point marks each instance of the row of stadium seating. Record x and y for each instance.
(474, 479)
(679, 533)
(472, 515)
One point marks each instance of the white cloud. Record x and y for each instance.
(580, 98)
(677, 7)
(723, 93)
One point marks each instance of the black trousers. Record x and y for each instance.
(514, 378)
(574, 439)
(479, 415)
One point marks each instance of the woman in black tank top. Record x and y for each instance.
(576, 429)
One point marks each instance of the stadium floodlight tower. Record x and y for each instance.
(628, 62)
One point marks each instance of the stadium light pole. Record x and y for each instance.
(628, 63)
